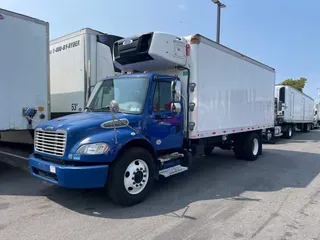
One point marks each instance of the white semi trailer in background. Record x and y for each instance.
(294, 110)
(24, 76)
(77, 61)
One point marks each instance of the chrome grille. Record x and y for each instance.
(53, 143)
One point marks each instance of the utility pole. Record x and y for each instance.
(318, 93)
(219, 6)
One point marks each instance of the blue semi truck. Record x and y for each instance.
(177, 97)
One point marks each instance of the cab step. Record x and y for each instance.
(172, 171)
(169, 157)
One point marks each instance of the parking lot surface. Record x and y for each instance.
(275, 197)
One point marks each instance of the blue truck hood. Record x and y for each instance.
(86, 126)
(85, 121)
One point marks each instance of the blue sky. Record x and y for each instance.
(283, 34)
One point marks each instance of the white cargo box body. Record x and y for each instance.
(232, 94)
(77, 62)
(24, 70)
(298, 106)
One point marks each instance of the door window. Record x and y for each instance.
(162, 97)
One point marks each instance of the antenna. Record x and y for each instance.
(318, 93)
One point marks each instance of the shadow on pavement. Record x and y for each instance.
(216, 177)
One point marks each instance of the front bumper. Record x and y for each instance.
(69, 176)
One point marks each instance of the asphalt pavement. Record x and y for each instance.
(275, 197)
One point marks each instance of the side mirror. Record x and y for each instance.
(114, 107)
(176, 96)
(176, 91)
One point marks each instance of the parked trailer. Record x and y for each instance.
(77, 62)
(187, 96)
(24, 76)
(294, 110)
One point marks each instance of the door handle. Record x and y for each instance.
(162, 116)
(158, 116)
(178, 128)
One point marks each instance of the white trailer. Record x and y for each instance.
(77, 61)
(293, 110)
(24, 75)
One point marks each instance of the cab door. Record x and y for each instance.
(165, 128)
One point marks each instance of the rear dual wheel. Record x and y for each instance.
(306, 128)
(248, 147)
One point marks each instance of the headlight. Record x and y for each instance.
(94, 148)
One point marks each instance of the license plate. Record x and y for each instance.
(52, 169)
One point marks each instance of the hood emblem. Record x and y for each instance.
(117, 123)
(49, 128)
(127, 41)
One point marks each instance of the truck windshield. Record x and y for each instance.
(129, 92)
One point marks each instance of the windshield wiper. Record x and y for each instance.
(104, 108)
(88, 108)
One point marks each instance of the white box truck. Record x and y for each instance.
(24, 75)
(77, 61)
(294, 110)
(186, 96)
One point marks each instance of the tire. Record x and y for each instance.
(251, 147)
(308, 128)
(208, 150)
(288, 134)
(134, 170)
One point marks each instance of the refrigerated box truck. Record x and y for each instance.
(77, 61)
(187, 95)
(294, 110)
(24, 75)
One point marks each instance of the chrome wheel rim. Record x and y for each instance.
(255, 146)
(136, 176)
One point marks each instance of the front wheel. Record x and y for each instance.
(131, 177)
